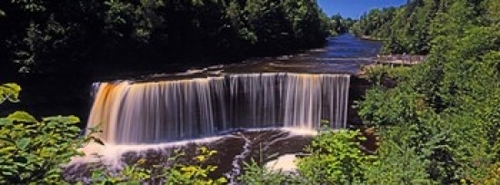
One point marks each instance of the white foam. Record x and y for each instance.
(300, 131)
(291, 130)
(110, 154)
(286, 163)
(194, 71)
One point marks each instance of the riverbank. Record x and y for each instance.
(370, 38)
(392, 61)
(401, 59)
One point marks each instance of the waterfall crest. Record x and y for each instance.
(148, 112)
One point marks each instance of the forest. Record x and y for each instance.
(438, 125)
(62, 37)
(411, 28)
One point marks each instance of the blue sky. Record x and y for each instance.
(355, 8)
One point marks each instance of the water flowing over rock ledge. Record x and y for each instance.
(184, 109)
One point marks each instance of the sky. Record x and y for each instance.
(355, 8)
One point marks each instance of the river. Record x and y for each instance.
(258, 107)
(342, 54)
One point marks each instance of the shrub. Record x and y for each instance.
(32, 151)
(379, 74)
(196, 174)
(259, 175)
(336, 158)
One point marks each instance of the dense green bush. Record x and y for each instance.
(130, 174)
(32, 151)
(335, 158)
(196, 174)
(378, 74)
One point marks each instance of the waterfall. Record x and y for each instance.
(149, 112)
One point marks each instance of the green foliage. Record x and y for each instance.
(375, 24)
(9, 92)
(439, 125)
(256, 174)
(340, 25)
(398, 163)
(137, 20)
(30, 5)
(130, 174)
(493, 175)
(390, 107)
(33, 151)
(377, 74)
(336, 158)
(196, 174)
(405, 29)
(492, 12)
(45, 36)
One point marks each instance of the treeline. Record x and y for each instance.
(62, 36)
(340, 25)
(440, 124)
(406, 29)
(376, 24)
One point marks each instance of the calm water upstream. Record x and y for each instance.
(343, 54)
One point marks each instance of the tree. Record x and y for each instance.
(445, 115)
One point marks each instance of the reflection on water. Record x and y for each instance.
(342, 54)
(348, 46)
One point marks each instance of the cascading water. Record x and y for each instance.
(131, 113)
